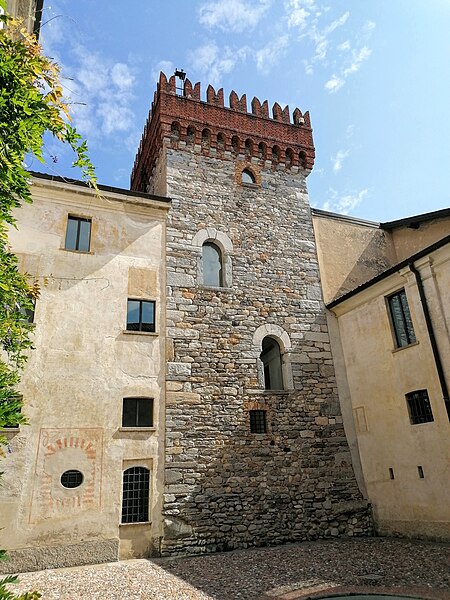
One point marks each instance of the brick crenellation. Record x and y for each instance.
(232, 131)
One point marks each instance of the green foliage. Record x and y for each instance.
(31, 105)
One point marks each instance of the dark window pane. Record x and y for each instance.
(71, 234)
(145, 412)
(247, 177)
(148, 316)
(84, 236)
(212, 265)
(129, 414)
(133, 309)
(271, 359)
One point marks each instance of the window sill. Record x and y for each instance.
(77, 251)
(135, 524)
(404, 347)
(214, 287)
(269, 392)
(4, 430)
(251, 186)
(149, 333)
(136, 429)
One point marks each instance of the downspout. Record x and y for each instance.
(434, 346)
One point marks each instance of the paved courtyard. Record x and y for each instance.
(376, 565)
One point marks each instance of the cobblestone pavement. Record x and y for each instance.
(285, 572)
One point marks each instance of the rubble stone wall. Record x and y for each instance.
(224, 486)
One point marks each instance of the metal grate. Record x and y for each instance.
(71, 479)
(258, 423)
(136, 485)
(419, 407)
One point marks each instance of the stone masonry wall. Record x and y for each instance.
(226, 487)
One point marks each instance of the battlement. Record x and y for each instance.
(184, 120)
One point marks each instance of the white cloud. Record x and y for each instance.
(212, 62)
(268, 56)
(358, 59)
(337, 81)
(334, 84)
(121, 76)
(344, 46)
(166, 66)
(344, 204)
(337, 23)
(298, 12)
(100, 94)
(233, 15)
(339, 159)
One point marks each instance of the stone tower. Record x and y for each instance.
(255, 447)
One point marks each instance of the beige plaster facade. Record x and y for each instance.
(402, 467)
(84, 363)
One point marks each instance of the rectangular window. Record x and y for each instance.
(135, 495)
(258, 422)
(78, 234)
(137, 412)
(419, 407)
(141, 315)
(401, 319)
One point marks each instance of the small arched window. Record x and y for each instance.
(220, 141)
(302, 159)
(271, 359)
(247, 176)
(248, 147)
(136, 487)
(206, 137)
(289, 158)
(175, 131)
(275, 154)
(212, 265)
(262, 151)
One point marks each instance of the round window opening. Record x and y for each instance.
(71, 479)
(247, 176)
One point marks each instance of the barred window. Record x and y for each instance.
(401, 319)
(258, 422)
(419, 407)
(136, 486)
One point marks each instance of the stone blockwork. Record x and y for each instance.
(227, 487)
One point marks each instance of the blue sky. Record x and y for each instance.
(374, 75)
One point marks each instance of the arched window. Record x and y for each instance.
(220, 141)
(302, 159)
(136, 486)
(175, 131)
(271, 359)
(212, 265)
(275, 154)
(247, 176)
(289, 158)
(262, 150)
(248, 147)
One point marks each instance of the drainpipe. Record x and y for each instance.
(434, 346)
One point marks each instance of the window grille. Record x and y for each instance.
(401, 319)
(72, 478)
(419, 407)
(137, 412)
(141, 315)
(136, 486)
(258, 422)
(78, 234)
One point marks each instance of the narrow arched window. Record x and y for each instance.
(190, 135)
(212, 265)
(235, 144)
(247, 176)
(271, 359)
(136, 486)
(206, 137)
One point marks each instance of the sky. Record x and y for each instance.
(374, 75)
